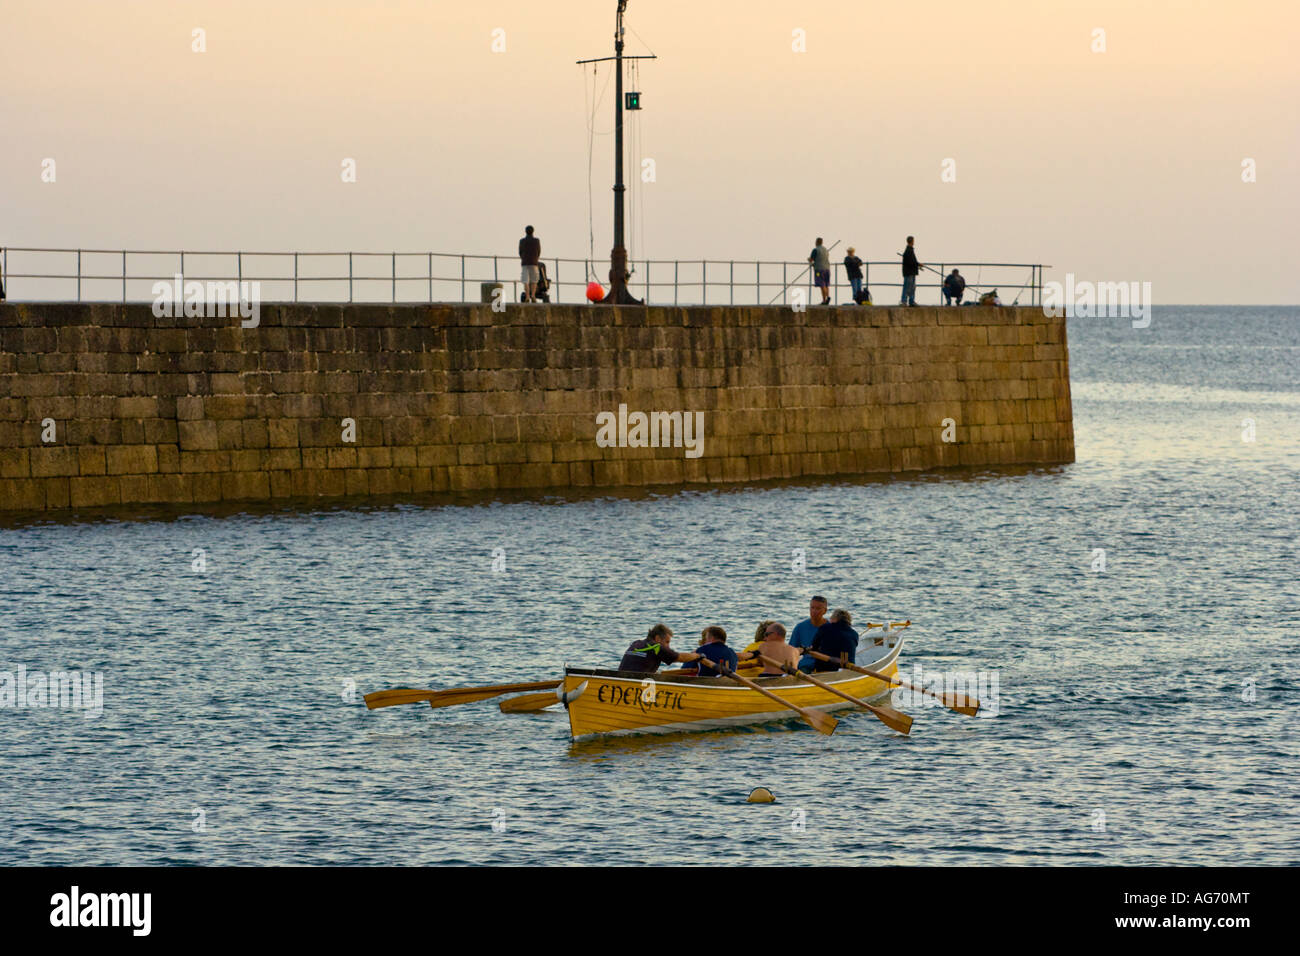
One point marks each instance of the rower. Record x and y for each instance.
(774, 646)
(645, 655)
(749, 666)
(806, 630)
(836, 639)
(715, 649)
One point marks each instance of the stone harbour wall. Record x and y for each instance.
(108, 405)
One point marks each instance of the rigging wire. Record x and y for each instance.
(629, 161)
(640, 217)
(631, 169)
(594, 102)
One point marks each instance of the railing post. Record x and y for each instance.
(462, 277)
(295, 277)
(78, 274)
(785, 282)
(675, 265)
(349, 277)
(394, 274)
(431, 278)
(123, 276)
(731, 282)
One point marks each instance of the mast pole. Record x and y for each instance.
(618, 255)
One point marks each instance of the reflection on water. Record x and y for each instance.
(1156, 694)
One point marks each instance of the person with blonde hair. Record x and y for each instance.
(748, 665)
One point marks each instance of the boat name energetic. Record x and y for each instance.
(646, 698)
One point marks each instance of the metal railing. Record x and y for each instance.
(101, 275)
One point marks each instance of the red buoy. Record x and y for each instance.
(595, 292)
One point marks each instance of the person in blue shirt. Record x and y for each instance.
(715, 649)
(806, 630)
(836, 639)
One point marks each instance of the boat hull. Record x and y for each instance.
(610, 703)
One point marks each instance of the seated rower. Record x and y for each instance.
(749, 665)
(645, 655)
(694, 666)
(715, 649)
(773, 646)
(837, 639)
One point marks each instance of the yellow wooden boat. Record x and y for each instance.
(605, 703)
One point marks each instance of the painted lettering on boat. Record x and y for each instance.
(620, 696)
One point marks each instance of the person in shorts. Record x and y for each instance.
(530, 256)
(820, 258)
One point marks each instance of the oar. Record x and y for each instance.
(528, 703)
(822, 723)
(451, 696)
(898, 624)
(893, 719)
(951, 701)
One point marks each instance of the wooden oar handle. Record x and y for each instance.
(824, 723)
(785, 668)
(855, 667)
(890, 717)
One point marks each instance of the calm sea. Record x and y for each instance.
(1140, 610)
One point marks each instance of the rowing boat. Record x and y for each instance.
(605, 703)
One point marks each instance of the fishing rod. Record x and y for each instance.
(975, 286)
(938, 273)
(802, 274)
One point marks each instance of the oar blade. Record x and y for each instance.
(452, 699)
(398, 695)
(961, 704)
(528, 703)
(822, 723)
(895, 720)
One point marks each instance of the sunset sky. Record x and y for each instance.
(1124, 165)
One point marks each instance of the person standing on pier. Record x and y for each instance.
(853, 270)
(820, 258)
(530, 255)
(911, 269)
